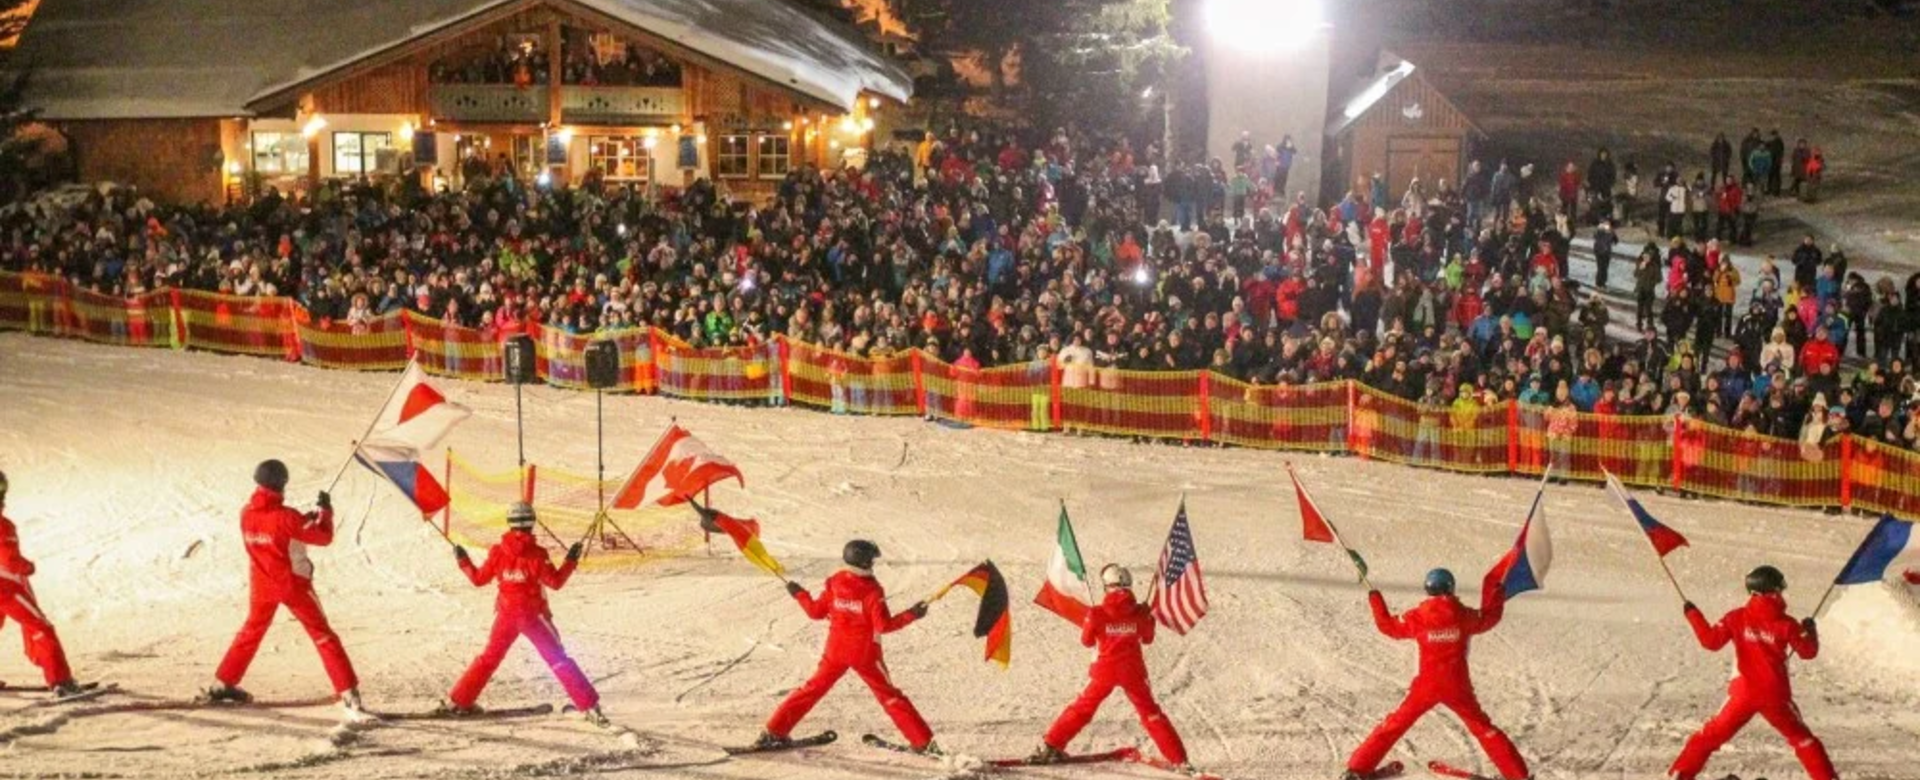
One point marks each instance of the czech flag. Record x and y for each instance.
(1524, 568)
(401, 466)
(995, 621)
(417, 415)
(1891, 541)
(1664, 539)
(1066, 583)
(746, 536)
(678, 467)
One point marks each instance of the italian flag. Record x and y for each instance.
(1066, 586)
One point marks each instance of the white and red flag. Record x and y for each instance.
(415, 419)
(678, 467)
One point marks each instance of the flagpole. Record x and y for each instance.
(1824, 596)
(370, 424)
(697, 506)
(1352, 557)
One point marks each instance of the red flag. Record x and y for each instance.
(1312, 524)
(675, 469)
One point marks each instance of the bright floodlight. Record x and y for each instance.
(1264, 25)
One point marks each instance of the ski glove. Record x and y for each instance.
(1812, 629)
(795, 588)
(325, 501)
(919, 610)
(1689, 607)
(460, 553)
(574, 552)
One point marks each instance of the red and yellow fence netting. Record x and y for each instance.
(1283, 417)
(1726, 463)
(1638, 450)
(377, 345)
(1470, 438)
(560, 358)
(844, 384)
(567, 504)
(1018, 397)
(45, 304)
(1881, 478)
(737, 374)
(1150, 404)
(453, 351)
(237, 324)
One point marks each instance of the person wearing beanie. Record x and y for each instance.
(17, 603)
(855, 607)
(280, 574)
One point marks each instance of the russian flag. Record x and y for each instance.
(1664, 539)
(1524, 568)
(1891, 541)
(402, 467)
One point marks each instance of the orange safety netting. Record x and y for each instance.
(737, 374)
(1014, 397)
(1288, 417)
(1726, 463)
(450, 350)
(567, 505)
(237, 324)
(1881, 478)
(16, 302)
(560, 357)
(44, 304)
(844, 384)
(1463, 437)
(1638, 450)
(1152, 404)
(378, 345)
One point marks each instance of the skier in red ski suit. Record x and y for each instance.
(855, 608)
(525, 573)
(1763, 637)
(277, 537)
(1120, 626)
(1444, 628)
(18, 604)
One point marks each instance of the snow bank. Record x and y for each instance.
(1877, 626)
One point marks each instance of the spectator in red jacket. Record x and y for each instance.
(1120, 626)
(18, 604)
(1444, 629)
(525, 573)
(855, 608)
(1763, 636)
(280, 575)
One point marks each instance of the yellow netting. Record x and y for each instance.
(566, 503)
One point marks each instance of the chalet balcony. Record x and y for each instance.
(489, 103)
(582, 105)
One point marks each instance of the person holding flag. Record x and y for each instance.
(855, 606)
(18, 604)
(276, 538)
(1120, 626)
(525, 574)
(1763, 636)
(1444, 629)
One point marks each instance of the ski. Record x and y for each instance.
(257, 704)
(1120, 754)
(877, 741)
(1157, 762)
(1387, 770)
(822, 738)
(1444, 769)
(443, 713)
(92, 690)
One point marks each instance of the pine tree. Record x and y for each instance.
(1106, 65)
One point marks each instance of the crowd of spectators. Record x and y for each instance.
(528, 64)
(989, 248)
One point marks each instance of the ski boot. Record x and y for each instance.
(932, 748)
(68, 689)
(594, 716)
(1044, 755)
(770, 741)
(352, 710)
(452, 710)
(226, 694)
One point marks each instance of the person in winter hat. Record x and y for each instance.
(525, 574)
(855, 607)
(1120, 626)
(1444, 629)
(277, 537)
(17, 603)
(1763, 636)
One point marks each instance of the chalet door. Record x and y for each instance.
(1428, 159)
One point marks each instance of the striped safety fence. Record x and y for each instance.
(733, 374)
(1637, 449)
(561, 360)
(845, 384)
(453, 351)
(377, 345)
(1148, 404)
(1312, 417)
(236, 324)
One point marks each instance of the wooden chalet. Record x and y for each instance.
(1395, 123)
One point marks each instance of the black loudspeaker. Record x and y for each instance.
(603, 365)
(519, 353)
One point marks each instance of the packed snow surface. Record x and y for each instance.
(128, 468)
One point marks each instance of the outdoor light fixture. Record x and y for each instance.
(565, 134)
(544, 179)
(676, 129)
(788, 125)
(1264, 25)
(313, 126)
(233, 167)
(406, 132)
(873, 102)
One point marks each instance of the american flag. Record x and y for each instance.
(1180, 593)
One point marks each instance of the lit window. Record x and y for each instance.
(730, 159)
(279, 153)
(357, 153)
(776, 156)
(619, 158)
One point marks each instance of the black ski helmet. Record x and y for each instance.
(271, 474)
(1766, 579)
(860, 553)
(521, 516)
(1439, 583)
(3, 486)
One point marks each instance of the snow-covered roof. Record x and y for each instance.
(118, 59)
(1389, 76)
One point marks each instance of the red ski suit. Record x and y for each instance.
(1763, 636)
(525, 573)
(1119, 627)
(855, 608)
(1444, 628)
(277, 537)
(17, 602)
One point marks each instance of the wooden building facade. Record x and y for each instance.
(1398, 126)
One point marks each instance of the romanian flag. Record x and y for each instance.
(995, 623)
(1066, 592)
(746, 536)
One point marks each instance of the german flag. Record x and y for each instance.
(745, 535)
(995, 622)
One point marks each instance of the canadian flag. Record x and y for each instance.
(677, 467)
